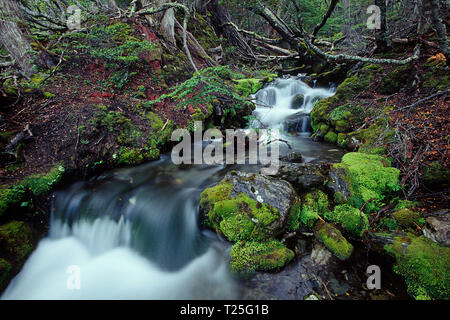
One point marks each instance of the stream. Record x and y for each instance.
(133, 233)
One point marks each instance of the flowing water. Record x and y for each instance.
(134, 234)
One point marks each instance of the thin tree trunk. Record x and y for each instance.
(221, 22)
(382, 39)
(440, 28)
(325, 18)
(13, 38)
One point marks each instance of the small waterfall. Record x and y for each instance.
(133, 234)
(286, 103)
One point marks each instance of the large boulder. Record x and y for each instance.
(363, 180)
(247, 206)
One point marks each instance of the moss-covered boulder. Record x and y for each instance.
(406, 218)
(424, 264)
(16, 241)
(351, 219)
(330, 137)
(246, 87)
(38, 184)
(363, 179)
(314, 204)
(259, 256)
(333, 240)
(16, 244)
(247, 206)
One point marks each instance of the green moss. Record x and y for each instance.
(10, 197)
(350, 218)
(215, 194)
(16, 240)
(242, 218)
(424, 265)
(293, 222)
(324, 128)
(314, 204)
(406, 218)
(259, 256)
(333, 240)
(369, 179)
(331, 137)
(394, 80)
(49, 95)
(42, 183)
(155, 121)
(341, 139)
(5, 272)
(246, 87)
(388, 223)
(406, 204)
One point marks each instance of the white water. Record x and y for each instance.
(110, 269)
(274, 102)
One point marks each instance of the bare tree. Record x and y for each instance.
(14, 36)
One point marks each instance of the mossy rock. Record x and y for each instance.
(16, 241)
(424, 264)
(297, 101)
(242, 218)
(294, 217)
(246, 87)
(42, 183)
(259, 256)
(395, 79)
(314, 204)
(5, 272)
(351, 219)
(407, 218)
(333, 240)
(364, 179)
(10, 197)
(330, 137)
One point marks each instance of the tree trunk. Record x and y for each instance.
(13, 39)
(221, 20)
(382, 38)
(440, 28)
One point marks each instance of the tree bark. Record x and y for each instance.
(221, 22)
(440, 28)
(382, 40)
(15, 40)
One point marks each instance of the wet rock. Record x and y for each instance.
(438, 227)
(248, 206)
(259, 256)
(292, 157)
(297, 101)
(303, 175)
(333, 240)
(299, 122)
(299, 279)
(339, 184)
